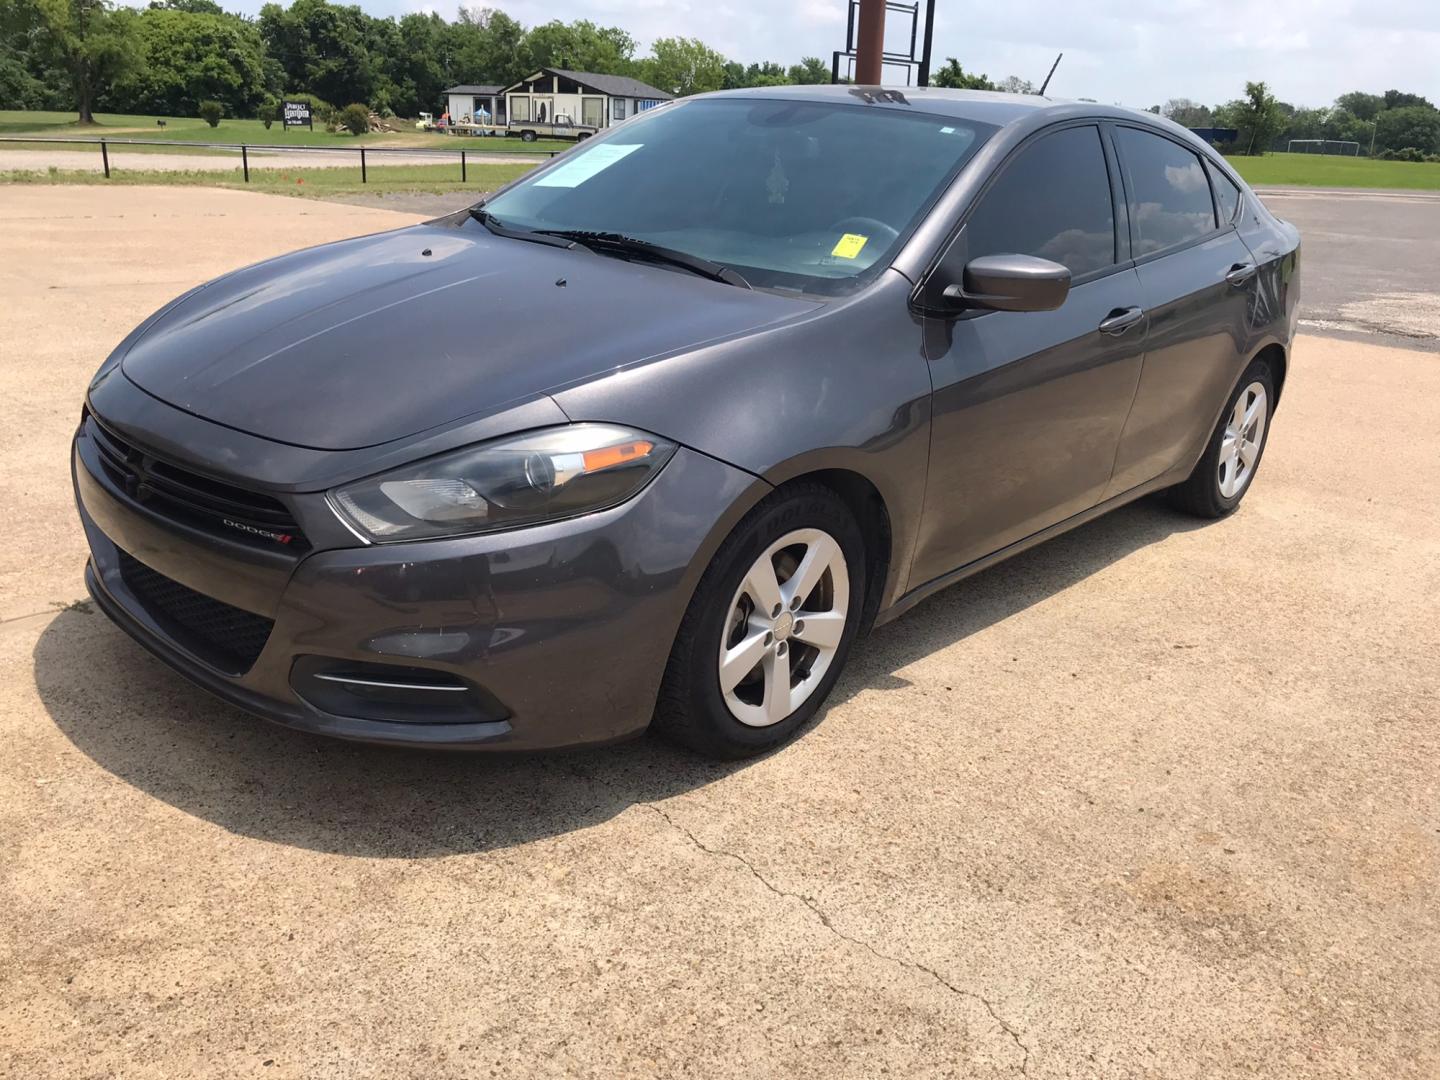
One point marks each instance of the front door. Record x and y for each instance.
(1028, 406)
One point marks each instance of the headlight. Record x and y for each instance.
(540, 476)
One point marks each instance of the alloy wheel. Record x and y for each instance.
(785, 624)
(1240, 445)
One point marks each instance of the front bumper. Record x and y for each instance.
(565, 626)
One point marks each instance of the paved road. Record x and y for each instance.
(1371, 261)
(1152, 800)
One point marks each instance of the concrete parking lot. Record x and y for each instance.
(1157, 799)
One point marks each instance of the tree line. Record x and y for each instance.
(93, 55)
(1393, 124)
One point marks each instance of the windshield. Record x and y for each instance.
(793, 195)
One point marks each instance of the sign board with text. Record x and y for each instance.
(297, 114)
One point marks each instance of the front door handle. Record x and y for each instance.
(1120, 320)
(1240, 273)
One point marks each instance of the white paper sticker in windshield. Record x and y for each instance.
(584, 166)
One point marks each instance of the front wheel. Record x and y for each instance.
(1227, 468)
(769, 627)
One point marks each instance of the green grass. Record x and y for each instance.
(316, 183)
(1325, 170)
(193, 129)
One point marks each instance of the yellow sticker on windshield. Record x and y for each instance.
(849, 246)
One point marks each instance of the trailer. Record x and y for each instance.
(476, 130)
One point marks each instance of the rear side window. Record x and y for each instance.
(1227, 195)
(1053, 201)
(1169, 194)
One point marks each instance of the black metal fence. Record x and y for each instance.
(368, 154)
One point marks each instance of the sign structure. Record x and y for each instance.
(297, 114)
(916, 60)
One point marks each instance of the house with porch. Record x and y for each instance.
(583, 98)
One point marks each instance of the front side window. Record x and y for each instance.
(1053, 202)
(618, 105)
(794, 195)
(1168, 191)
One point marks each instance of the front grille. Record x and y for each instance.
(224, 636)
(198, 500)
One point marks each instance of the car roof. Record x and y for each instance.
(983, 106)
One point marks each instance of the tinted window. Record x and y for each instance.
(793, 194)
(1226, 194)
(1169, 194)
(1053, 201)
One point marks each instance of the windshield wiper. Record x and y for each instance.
(499, 228)
(619, 243)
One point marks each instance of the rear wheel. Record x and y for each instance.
(1227, 468)
(769, 627)
(527, 136)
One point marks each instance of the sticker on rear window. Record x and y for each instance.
(849, 246)
(590, 163)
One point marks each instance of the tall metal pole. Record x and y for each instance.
(870, 43)
(924, 77)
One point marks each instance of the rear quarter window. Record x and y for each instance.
(1227, 195)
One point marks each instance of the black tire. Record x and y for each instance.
(691, 709)
(1200, 494)
(527, 136)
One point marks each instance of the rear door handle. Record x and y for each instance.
(1120, 320)
(1240, 273)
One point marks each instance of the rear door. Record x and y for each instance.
(1198, 280)
(1028, 406)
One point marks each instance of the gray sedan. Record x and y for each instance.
(651, 436)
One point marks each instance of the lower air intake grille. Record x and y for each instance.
(225, 636)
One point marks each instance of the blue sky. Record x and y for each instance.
(1136, 52)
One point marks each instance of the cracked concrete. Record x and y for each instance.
(1152, 800)
(829, 924)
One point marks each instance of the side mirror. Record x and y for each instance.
(1010, 283)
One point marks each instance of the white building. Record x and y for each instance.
(555, 96)
(476, 104)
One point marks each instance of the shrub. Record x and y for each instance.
(355, 119)
(211, 112)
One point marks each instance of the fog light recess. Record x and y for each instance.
(391, 692)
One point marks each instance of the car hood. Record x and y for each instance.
(370, 340)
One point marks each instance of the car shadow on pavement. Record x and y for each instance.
(146, 725)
